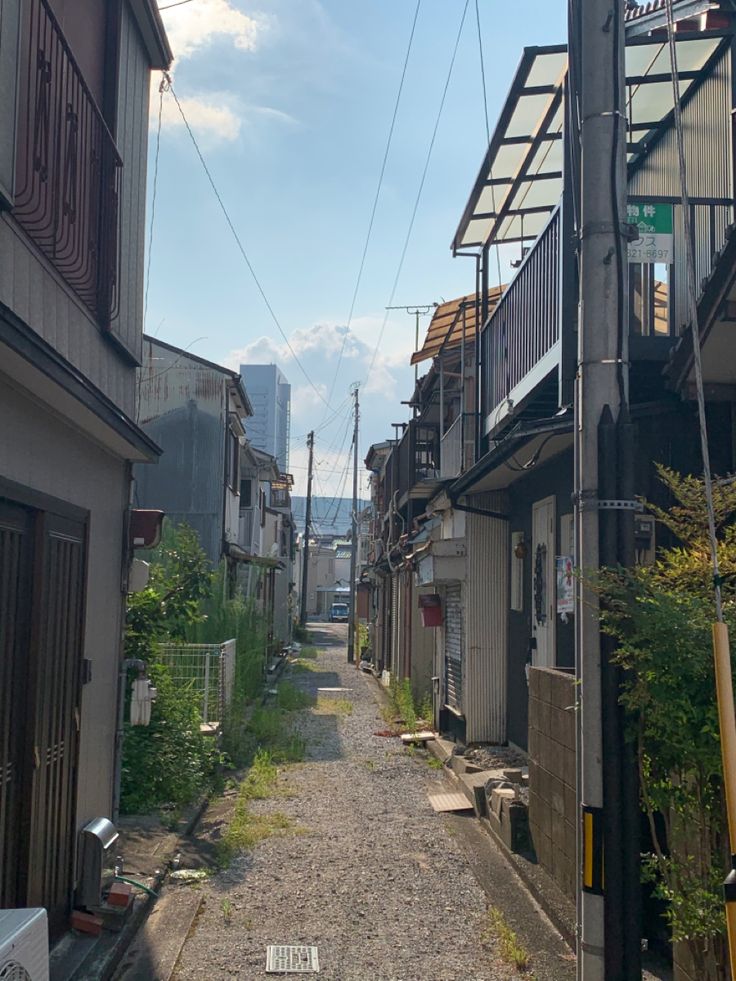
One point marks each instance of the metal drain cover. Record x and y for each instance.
(282, 959)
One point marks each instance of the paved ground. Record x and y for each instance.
(383, 886)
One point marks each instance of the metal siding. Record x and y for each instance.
(486, 622)
(454, 645)
(132, 125)
(182, 409)
(709, 152)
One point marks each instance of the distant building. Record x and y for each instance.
(270, 394)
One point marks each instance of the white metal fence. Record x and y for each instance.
(207, 669)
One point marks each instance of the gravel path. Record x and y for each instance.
(375, 879)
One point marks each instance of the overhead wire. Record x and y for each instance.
(419, 192)
(375, 200)
(161, 89)
(241, 248)
(488, 127)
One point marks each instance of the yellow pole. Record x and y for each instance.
(727, 724)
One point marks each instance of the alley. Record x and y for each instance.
(369, 873)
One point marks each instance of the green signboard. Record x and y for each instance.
(654, 222)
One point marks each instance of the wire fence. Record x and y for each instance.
(207, 669)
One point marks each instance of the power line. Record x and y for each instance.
(179, 3)
(161, 89)
(242, 248)
(488, 128)
(419, 191)
(375, 200)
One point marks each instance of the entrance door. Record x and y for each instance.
(543, 583)
(42, 586)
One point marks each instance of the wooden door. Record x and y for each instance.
(543, 583)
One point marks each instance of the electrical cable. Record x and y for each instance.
(241, 248)
(693, 310)
(488, 128)
(179, 3)
(161, 90)
(375, 200)
(419, 193)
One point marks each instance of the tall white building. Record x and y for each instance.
(270, 396)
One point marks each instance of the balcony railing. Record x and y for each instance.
(523, 331)
(414, 461)
(451, 453)
(67, 166)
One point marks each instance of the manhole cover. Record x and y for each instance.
(282, 959)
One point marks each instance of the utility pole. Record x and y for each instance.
(353, 625)
(307, 527)
(416, 311)
(608, 940)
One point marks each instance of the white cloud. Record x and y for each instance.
(196, 25)
(208, 115)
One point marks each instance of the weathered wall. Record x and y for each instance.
(39, 451)
(552, 805)
(182, 408)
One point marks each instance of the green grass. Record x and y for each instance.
(509, 946)
(261, 778)
(310, 653)
(292, 699)
(333, 706)
(434, 764)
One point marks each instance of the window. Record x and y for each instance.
(232, 462)
(246, 494)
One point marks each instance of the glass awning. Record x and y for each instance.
(520, 181)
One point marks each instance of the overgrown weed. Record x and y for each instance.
(510, 947)
(333, 706)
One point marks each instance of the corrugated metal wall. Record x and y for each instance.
(486, 622)
(454, 647)
(709, 157)
(132, 142)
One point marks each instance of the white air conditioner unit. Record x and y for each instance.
(24, 945)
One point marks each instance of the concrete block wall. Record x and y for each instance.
(552, 807)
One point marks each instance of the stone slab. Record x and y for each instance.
(155, 951)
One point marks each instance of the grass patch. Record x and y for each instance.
(509, 946)
(433, 763)
(299, 666)
(247, 829)
(289, 698)
(333, 706)
(310, 653)
(261, 778)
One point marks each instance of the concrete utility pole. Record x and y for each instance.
(353, 625)
(416, 311)
(601, 412)
(307, 528)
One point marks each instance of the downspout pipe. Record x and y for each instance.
(481, 301)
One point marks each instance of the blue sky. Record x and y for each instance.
(290, 101)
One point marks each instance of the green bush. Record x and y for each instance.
(169, 763)
(661, 617)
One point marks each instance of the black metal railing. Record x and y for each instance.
(67, 166)
(525, 324)
(414, 460)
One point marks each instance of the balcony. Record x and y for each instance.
(249, 531)
(413, 467)
(521, 339)
(67, 167)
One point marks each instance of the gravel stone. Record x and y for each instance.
(374, 878)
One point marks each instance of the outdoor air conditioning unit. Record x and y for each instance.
(24, 945)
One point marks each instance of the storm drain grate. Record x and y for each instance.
(283, 959)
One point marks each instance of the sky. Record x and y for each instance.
(290, 102)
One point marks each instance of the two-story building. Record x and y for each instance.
(196, 411)
(73, 149)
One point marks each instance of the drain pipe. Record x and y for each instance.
(125, 665)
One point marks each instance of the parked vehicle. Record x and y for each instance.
(339, 613)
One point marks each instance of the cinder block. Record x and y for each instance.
(86, 923)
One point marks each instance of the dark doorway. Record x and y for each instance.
(42, 587)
